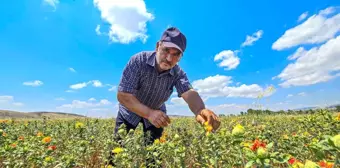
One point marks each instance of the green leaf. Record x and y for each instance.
(270, 145)
(250, 163)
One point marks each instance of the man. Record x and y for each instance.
(148, 81)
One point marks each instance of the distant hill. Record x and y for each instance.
(6, 114)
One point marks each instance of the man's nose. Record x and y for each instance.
(169, 57)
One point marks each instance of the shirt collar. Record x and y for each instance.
(152, 62)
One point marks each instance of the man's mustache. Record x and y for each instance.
(165, 61)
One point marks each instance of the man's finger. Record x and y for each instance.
(163, 121)
(200, 119)
(216, 122)
(210, 119)
(167, 118)
(157, 124)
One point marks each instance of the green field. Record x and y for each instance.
(242, 141)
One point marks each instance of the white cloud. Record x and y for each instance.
(319, 64)
(113, 88)
(328, 11)
(97, 83)
(18, 104)
(299, 52)
(6, 98)
(289, 95)
(98, 30)
(217, 86)
(302, 94)
(59, 99)
(33, 83)
(127, 19)
(317, 29)
(92, 99)
(52, 3)
(229, 58)
(229, 108)
(79, 85)
(72, 70)
(253, 38)
(178, 101)
(303, 16)
(9, 100)
(84, 104)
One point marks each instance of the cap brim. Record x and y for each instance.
(171, 45)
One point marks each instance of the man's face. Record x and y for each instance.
(167, 57)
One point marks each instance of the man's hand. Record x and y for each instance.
(209, 116)
(158, 118)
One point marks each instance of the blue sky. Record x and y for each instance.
(68, 55)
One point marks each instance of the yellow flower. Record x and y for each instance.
(208, 128)
(246, 144)
(336, 140)
(310, 164)
(79, 125)
(306, 133)
(47, 139)
(156, 141)
(298, 165)
(338, 117)
(48, 159)
(117, 150)
(285, 136)
(39, 134)
(261, 152)
(238, 129)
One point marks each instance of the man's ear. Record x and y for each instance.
(157, 45)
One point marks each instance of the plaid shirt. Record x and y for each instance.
(152, 89)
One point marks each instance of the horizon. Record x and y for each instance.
(68, 56)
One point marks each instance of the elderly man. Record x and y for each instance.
(148, 81)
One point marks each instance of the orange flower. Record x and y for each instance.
(13, 145)
(257, 144)
(162, 139)
(324, 164)
(21, 138)
(292, 160)
(4, 134)
(52, 147)
(47, 139)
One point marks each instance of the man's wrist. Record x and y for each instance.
(199, 111)
(148, 113)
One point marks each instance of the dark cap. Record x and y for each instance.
(172, 37)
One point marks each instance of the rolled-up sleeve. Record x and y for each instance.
(182, 83)
(130, 76)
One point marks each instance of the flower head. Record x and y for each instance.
(47, 139)
(52, 147)
(117, 150)
(336, 140)
(310, 164)
(79, 125)
(257, 144)
(40, 134)
(261, 152)
(238, 130)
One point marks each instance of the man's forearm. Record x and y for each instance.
(194, 101)
(133, 104)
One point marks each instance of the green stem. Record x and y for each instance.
(336, 160)
(239, 150)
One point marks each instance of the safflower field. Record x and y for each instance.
(299, 141)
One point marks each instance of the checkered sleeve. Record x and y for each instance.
(130, 76)
(182, 84)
